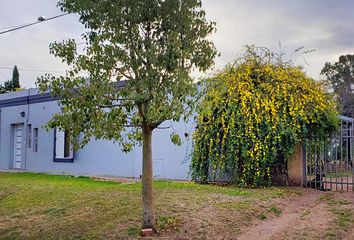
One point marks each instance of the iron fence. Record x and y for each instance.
(329, 162)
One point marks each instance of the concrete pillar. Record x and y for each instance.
(296, 167)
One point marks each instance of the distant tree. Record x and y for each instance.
(13, 84)
(341, 78)
(153, 45)
(15, 78)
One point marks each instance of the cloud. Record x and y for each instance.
(28, 48)
(324, 25)
(321, 25)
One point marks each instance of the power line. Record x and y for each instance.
(31, 70)
(15, 26)
(34, 23)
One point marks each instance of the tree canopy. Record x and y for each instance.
(253, 114)
(13, 84)
(341, 78)
(153, 45)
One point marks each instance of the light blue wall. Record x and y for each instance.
(101, 158)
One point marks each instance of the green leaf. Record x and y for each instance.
(175, 139)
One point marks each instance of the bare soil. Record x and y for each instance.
(310, 216)
(307, 214)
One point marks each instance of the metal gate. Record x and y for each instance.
(329, 162)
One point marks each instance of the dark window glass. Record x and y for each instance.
(29, 135)
(35, 139)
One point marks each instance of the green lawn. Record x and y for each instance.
(39, 206)
(348, 174)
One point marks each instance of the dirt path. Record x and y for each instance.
(309, 214)
(302, 218)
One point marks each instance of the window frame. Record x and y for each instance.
(61, 159)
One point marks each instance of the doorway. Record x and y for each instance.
(18, 137)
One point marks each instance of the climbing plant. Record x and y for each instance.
(253, 114)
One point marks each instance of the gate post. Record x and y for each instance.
(296, 167)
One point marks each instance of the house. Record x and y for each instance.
(26, 145)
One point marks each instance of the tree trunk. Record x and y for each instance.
(147, 188)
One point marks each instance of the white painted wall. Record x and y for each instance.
(99, 157)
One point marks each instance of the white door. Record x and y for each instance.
(18, 145)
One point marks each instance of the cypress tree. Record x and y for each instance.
(15, 78)
(13, 84)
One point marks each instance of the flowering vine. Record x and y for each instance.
(253, 114)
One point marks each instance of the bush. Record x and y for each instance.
(253, 114)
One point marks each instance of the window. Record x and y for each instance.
(63, 148)
(35, 139)
(29, 135)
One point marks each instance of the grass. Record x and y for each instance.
(331, 200)
(275, 210)
(40, 206)
(262, 216)
(167, 222)
(344, 218)
(239, 205)
(339, 174)
(133, 231)
(343, 215)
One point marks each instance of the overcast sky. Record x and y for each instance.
(324, 25)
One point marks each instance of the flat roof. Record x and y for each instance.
(32, 95)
